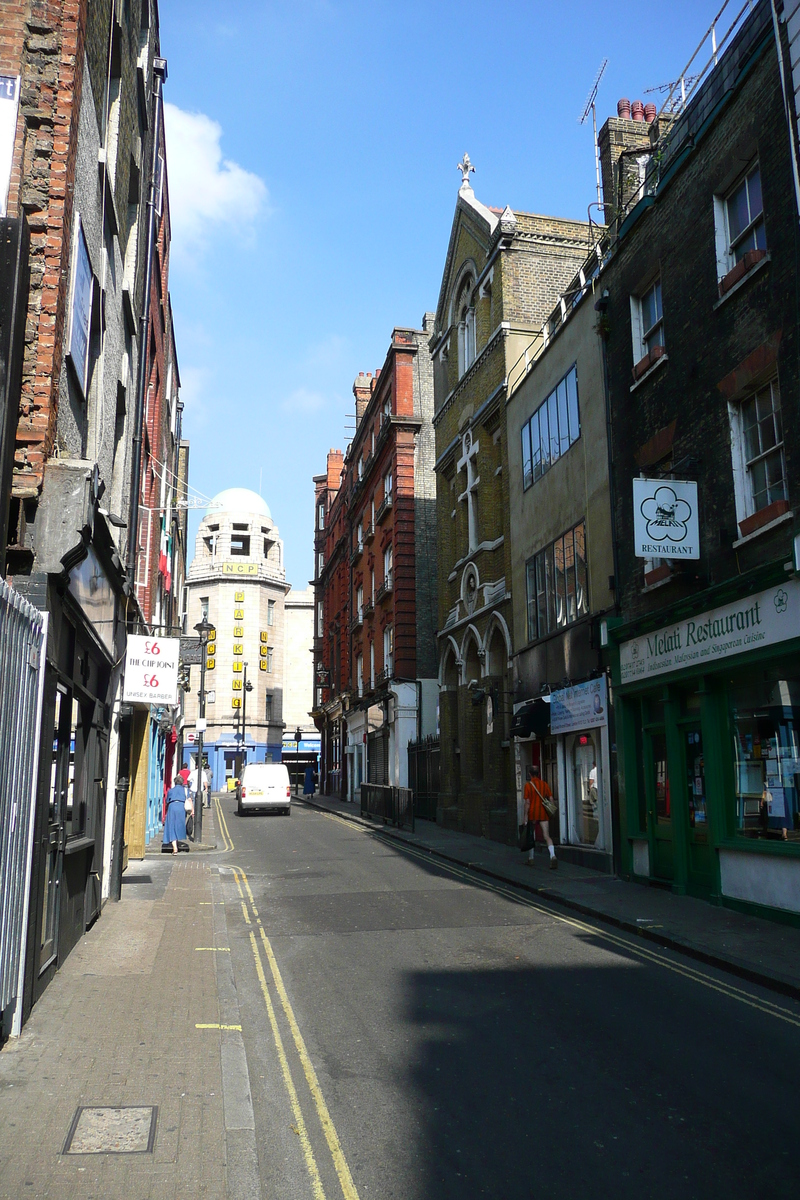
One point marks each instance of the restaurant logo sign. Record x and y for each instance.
(761, 620)
(665, 523)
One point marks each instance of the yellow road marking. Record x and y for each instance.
(339, 1161)
(216, 1026)
(649, 955)
(223, 825)
(308, 1153)
(215, 949)
(245, 913)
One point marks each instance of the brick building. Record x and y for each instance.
(82, 154)
(503, 273)
(375, 582)
(700, 319)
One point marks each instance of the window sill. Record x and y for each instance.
(749, 537)
(77, 844)
(745, 279)
(660, 362)
(761, 846)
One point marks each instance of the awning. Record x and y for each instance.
(532, 720)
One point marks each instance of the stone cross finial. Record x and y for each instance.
(465, 167)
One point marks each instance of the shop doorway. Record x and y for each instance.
(659, 802)
(699, 856)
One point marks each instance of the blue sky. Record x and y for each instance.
(312, 150)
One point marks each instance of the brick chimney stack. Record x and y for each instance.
(335, 464)
(622, 174)
(362, 390)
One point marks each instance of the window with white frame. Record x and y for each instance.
(320, 562)
(360, 602)
(387, 564)
(360, 674)
(388, 649)
(360, 468)
(372, 586)
(744, 216)
(320, 618)
(269, 659)
(759, 462)
(360, 536)
(647, 321)
(270, 612)
(387, 484)
(466, 327)
(321, 515)
(372, 664)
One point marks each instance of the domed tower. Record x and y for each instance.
(237, 579)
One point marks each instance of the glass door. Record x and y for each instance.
(659, 802)
(699, 854)
(53, 837)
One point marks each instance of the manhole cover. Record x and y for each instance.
(106, 1130)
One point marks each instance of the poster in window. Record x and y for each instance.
(80, 313)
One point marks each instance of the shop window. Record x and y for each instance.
(765, 721)
(586, 789)
(759, 462)
(557, 584)
(553, 428)
(658, 742)
(80, 725)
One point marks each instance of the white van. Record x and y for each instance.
(265, 785)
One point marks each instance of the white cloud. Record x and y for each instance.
(205, 189)
(303, 400)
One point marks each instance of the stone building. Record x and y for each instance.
(504, 271)
(701, 327)
(237, 580)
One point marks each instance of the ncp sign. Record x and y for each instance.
(151, 670)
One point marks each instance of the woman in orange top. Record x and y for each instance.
(537, 790)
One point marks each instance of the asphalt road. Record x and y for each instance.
(412, 1031)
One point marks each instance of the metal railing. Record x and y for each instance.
(23, 637)
(423, 776)
(392, 805)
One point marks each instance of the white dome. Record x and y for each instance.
(238, 500)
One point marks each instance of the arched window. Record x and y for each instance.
(466, 326)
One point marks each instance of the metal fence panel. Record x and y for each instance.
(22, 649)
(423, 776)
(392, 805)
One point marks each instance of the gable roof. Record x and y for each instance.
(483, 222)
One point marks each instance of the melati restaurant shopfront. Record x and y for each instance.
(708, 733)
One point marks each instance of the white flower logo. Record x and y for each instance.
(667, 516)
(781, 601)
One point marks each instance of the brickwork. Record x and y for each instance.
(715, 351)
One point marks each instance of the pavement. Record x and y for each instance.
(753, 948)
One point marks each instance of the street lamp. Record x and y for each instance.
(204, 628)
(248, 687)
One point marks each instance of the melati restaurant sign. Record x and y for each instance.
(665, 523)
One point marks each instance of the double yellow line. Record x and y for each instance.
(227, 840)
(346, 1183)
(655, 957)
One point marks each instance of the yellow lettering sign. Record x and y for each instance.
(230, 568)
(238, 647)
(263, 650)
(263, 664)
(239, 598)
(210, 664)
(264, 637)
(238, 614)
(236, 684)
(237, 666)
(238, 631)
(211, 649)
(236, 702)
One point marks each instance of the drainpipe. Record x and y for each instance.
(159, 75)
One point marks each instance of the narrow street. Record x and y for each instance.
(319, 1011)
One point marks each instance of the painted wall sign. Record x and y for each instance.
(762, 620)
(80, 306)
(91, 587)
(151, 670)
(230, 568)
(9, 105)
(665, 522)
(581, 707)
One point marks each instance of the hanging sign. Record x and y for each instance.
(665, 522)
(9, 105)
(151, 670)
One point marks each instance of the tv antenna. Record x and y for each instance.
(590, 108)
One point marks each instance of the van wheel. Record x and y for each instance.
(288, 811)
